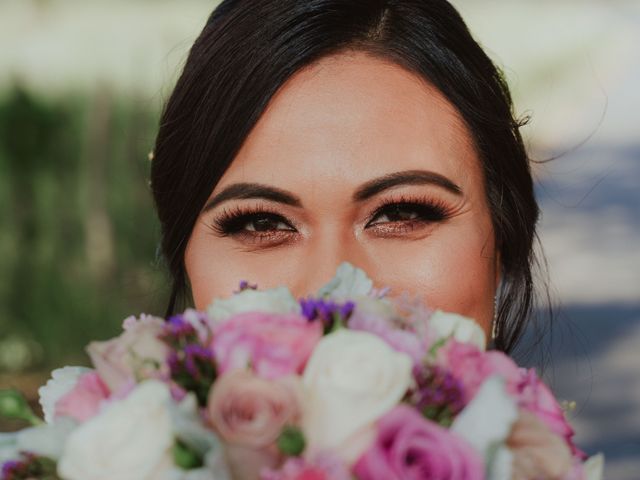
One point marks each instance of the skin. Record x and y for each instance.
(333, 126)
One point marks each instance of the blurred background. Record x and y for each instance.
(81, 87)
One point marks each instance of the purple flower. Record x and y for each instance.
(195, 356)
(409, 447)
(438, 395)
(245, 285)
(327, 311)
(190, 360)
(192, 326)
(28, 467)
(177, 328)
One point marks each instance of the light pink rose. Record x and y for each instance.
(250, 411)
(134, 355)
(538, 453)
(473, 366)
(410, 447)
(85, 399)
(405, 341)
(273, 345)
(535, 396)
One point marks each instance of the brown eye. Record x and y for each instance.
(265, 223)
(399, 213)
(238, 222)
(408, 212)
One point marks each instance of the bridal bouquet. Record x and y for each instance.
(348, 384)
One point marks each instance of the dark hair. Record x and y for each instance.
(249, 48)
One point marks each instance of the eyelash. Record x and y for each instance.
(232, 222)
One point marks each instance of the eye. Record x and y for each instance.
(253, 226)
(405, 213)
(263, 222)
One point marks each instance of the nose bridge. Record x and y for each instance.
(322, 258)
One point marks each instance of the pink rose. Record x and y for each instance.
(273, 345)
(250, 411)
(410, 447)
(473, 366)
(535, 396)
(85, 399)
(136, 354)
(321, 467)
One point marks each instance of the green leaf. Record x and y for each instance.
(291, 441)
(186, 458)
(13, 405)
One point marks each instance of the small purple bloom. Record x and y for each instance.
(438, 394)
(327, 311)
(245, 285)
(194, 357)
(11, 468)
(28, 467)
(192, 367)
(177, 330)
(347, 309)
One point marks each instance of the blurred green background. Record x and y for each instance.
(82, 83)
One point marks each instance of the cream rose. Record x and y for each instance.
(274, 300)
(462, 328)
(486, 422)
(347, 283)
(351, 380)
(130, 440)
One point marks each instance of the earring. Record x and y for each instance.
(494, 323)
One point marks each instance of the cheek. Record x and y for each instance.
(452, 272)
(211, 273)
(215, 267)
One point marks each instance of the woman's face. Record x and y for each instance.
(354, 159)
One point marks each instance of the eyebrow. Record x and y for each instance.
(367, 190)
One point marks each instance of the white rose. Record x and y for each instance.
(188, 427)
(460, 327)
(128, 440)
(274, 300)
(486, 422)
(48, 439)
(351, 379)
(348, 282)
(594, 466)
(61, 382)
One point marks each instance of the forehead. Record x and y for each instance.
(350, 117)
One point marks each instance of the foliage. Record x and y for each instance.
(78, 233)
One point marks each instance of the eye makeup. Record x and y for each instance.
(261, 224)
